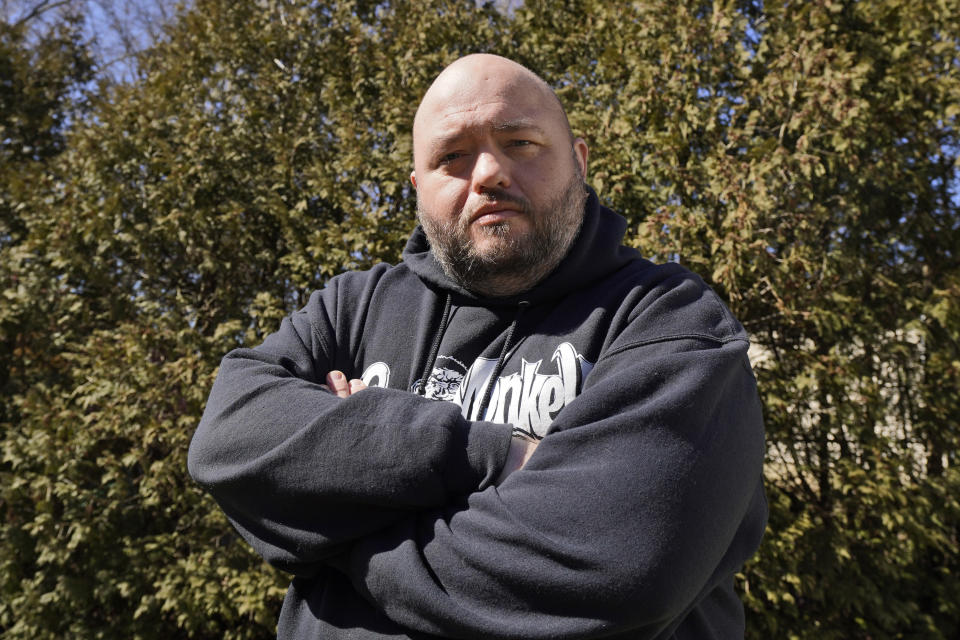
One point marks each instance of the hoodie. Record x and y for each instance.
(641, 502)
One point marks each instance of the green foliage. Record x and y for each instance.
(801, 156)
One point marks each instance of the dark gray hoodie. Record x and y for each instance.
(641, 502)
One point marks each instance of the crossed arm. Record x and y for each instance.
(643, 499)
(520, 449)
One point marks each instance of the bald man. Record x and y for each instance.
(523, 430)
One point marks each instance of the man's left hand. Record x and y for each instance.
(338, 384)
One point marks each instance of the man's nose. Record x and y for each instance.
(490, 171)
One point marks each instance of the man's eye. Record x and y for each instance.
(449, 157)
(520, 143)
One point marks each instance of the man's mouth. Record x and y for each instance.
(495, 213)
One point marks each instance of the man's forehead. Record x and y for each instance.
(500, 107)
(453, 124)
(489, 84)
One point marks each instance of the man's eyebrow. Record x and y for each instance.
(507, 126)
(518, 125)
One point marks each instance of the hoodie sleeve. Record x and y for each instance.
(643, 499)
(289, 462)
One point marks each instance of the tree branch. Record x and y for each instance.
(42, 7)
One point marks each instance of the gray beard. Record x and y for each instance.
(515, 263)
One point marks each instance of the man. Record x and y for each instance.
(524, 430)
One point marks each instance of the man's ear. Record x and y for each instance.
(580, 152)
(413, 179)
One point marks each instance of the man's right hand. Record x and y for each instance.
(520, 451)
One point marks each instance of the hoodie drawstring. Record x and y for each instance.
(507, 343)
(432, 356)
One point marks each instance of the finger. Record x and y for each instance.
(338, 383)
(357, 385)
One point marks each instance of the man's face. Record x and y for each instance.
(499, 180)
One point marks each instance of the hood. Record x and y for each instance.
(595, 252)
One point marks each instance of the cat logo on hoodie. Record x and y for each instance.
(527, 398)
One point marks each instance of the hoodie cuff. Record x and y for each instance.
(485, 446)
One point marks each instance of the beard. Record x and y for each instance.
(510, 263)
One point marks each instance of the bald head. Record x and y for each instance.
(499, 177)
(484, 76)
